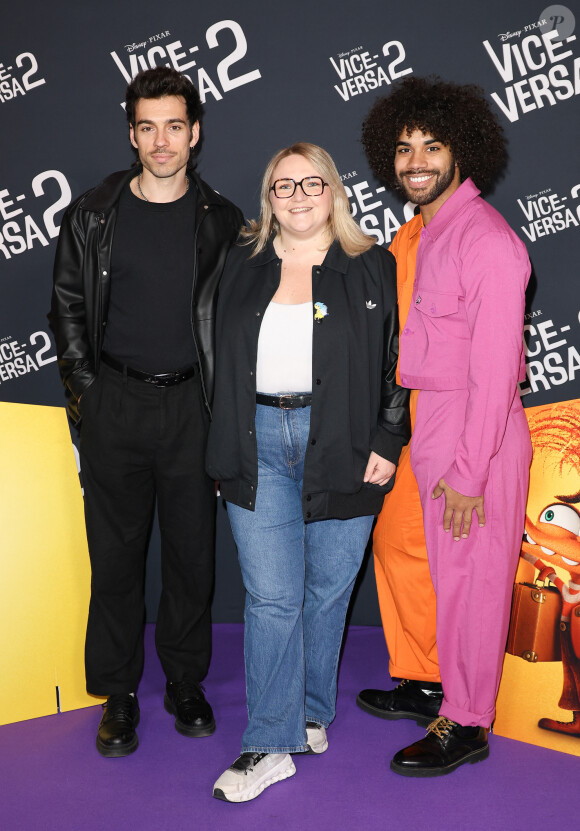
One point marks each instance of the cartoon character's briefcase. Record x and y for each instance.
(535, 621)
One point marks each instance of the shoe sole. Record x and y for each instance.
(260, 787)
(312, 752)
(186, 729)
(424, 721)
(117, 752)
(472, 758)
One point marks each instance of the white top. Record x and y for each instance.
(285, 349)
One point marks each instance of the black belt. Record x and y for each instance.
(284, 402)
(166, 379)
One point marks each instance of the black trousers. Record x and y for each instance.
(139, 443)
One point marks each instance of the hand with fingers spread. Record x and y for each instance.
(459, 510)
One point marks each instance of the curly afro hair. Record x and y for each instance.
(456, 115)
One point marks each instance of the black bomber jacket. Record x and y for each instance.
(357, 405)
(82, 275)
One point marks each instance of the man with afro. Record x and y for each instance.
(439, 144)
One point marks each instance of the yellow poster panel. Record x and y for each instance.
(539, 695)
(44, 566)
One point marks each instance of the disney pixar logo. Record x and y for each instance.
(553, 18)
(509, 35)
(132, 47)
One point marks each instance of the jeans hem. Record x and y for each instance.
(317, 721)
(255, 749)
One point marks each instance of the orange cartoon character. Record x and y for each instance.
(552, 537)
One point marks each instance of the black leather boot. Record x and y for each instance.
(116, 736)
(416, 700)
(446, 746)
(193, 715)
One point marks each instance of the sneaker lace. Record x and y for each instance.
(247, 762)
(441, 727)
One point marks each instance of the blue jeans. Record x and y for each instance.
(298, 579)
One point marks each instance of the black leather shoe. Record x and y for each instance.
(186, 701)
(417, 700)
(116, 735)
(446, 746)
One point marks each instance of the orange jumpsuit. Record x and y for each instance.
(405, 590)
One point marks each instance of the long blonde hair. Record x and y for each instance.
(341, 225)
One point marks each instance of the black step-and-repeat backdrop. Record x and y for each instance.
(272, 74)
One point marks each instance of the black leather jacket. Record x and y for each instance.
(82, 275)
(357, 405)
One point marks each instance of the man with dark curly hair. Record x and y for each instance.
(462, 348)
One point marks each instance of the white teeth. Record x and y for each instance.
(298, 210)
(529, 539)
(547, 550)
(570, 562)
(418, 179)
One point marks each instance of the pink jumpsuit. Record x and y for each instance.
(463, 348)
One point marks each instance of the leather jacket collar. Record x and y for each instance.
(108, 193)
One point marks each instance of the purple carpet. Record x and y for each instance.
(51, 776)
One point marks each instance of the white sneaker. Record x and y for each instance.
(250, 774)
(317, 741)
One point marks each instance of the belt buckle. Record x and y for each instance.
(282, 407)
(165, 380)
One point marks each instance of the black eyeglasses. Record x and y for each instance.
(311, 186)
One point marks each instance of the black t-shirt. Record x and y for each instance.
(149, 321)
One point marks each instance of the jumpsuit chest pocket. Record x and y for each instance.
(436, 304)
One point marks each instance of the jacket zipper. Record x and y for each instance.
(101, 333)
(193, 287)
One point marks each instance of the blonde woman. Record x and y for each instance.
(307, 428)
